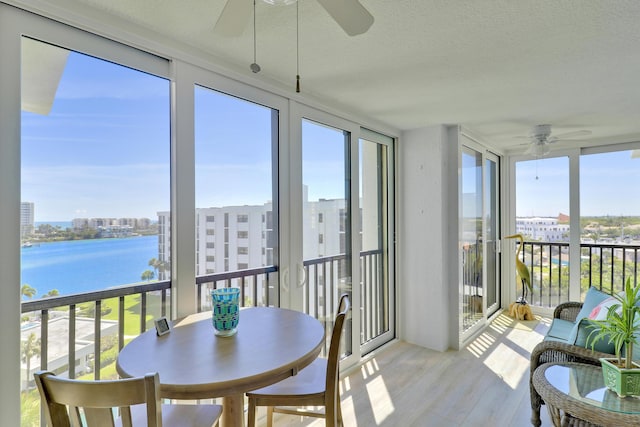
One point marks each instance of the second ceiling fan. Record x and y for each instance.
(349, 14)
(541, 137)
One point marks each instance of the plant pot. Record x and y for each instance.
(625, 382)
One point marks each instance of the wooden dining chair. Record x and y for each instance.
(75, 403)
(316, 385)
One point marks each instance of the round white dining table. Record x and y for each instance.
(271, 344)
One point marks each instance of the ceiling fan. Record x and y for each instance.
(349, 14)
(541, 138)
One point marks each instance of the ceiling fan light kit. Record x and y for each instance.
(538, 149)
(541, 138)
(541, 132)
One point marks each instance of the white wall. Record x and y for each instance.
(424, 273)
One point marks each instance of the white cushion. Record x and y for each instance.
(601, 310)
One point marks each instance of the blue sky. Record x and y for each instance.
(104, 149)
(608, 185)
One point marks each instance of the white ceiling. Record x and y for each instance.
(497, 67)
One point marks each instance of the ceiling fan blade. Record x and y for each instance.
(234, 18)
(349, 14)
(572, 134)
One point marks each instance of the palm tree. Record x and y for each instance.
(147, 275)
(27, 291)
(51, 293)
(30, 348)
(155, 263)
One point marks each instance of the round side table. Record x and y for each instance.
(575, 395)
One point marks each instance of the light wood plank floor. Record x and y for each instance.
(486, 384)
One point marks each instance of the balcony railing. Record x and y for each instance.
(80, 335)
(77, 334)
(605, 266)
(325, 280)
(258, 286)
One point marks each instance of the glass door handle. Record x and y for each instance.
(303, 275)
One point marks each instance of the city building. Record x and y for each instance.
(26, 219)
(58, 328)
(233, 238)
(114, 225)
(542, 229)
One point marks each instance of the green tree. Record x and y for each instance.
(156, 264)
(27, 291)
(51, 293)
(147, 275)
(30, 349)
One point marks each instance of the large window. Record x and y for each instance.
(95, 172)
(95, 176)
(542, 217)
(234, 172)
(609, 219)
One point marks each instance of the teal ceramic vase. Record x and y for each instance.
(226, 311)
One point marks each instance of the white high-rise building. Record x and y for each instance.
(234, 238)
(26, 218)
(542, 229)
(227, 239)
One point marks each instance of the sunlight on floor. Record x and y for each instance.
(345, 385)
(481, 344)
(504, 357)
(370, 368)
(504, 361)
(380, 398)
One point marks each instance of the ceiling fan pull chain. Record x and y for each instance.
(298, 47)
(254, 66)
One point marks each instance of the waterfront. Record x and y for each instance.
(86, 265)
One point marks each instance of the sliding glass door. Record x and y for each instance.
(480, 205)
(236, 195)
(377, 252)
(492, 223)
(326, 221)
(342, 205)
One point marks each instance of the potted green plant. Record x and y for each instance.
(622, 328)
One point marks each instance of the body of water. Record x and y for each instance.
(86, 265)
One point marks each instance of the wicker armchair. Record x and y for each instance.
(554, 351)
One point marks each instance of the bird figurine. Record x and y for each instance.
(520, 309)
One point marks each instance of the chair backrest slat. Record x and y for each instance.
(62, 398)
(99, 417)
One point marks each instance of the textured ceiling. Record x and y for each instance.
(497, 67)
